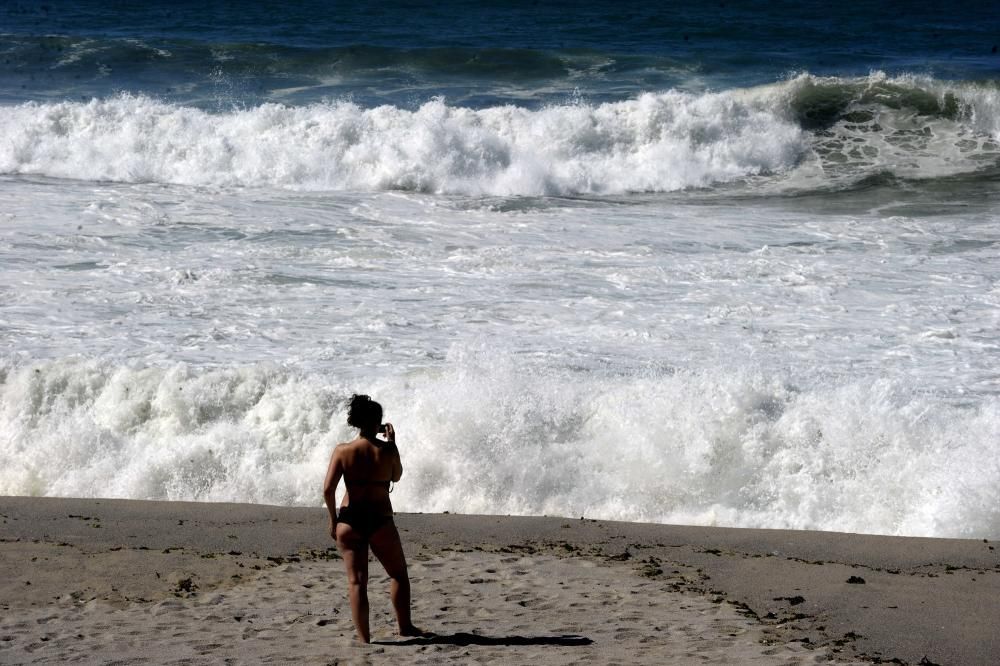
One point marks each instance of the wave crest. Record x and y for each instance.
(901, 127)
(655, 143)
(806, 132)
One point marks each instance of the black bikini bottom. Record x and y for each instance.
(364, 518)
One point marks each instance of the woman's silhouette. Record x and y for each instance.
(368, 465)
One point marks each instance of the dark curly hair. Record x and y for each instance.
(364, 412)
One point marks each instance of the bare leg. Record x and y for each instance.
(354, 550)
(389, 551)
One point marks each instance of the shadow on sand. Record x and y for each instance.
(465, 638)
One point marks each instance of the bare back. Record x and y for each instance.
(367, 469)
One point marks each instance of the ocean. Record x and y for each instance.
(729, 263)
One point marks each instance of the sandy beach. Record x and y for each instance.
(123, 581)
(709, 264)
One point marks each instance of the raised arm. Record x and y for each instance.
(333, 475)
(397, 464)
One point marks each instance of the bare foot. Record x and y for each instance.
(412, 630)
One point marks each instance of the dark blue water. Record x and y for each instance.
(219, 54)
(799, 96)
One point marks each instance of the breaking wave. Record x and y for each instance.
(804, 133)
(482, 435)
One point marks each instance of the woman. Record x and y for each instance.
(368, 465)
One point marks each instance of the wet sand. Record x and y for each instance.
(94, 581)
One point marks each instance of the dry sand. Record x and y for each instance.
(100, 581)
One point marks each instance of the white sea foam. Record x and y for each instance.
(815, 362)
(483, 434)
(657, 142)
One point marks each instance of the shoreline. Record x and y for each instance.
(844, 597)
